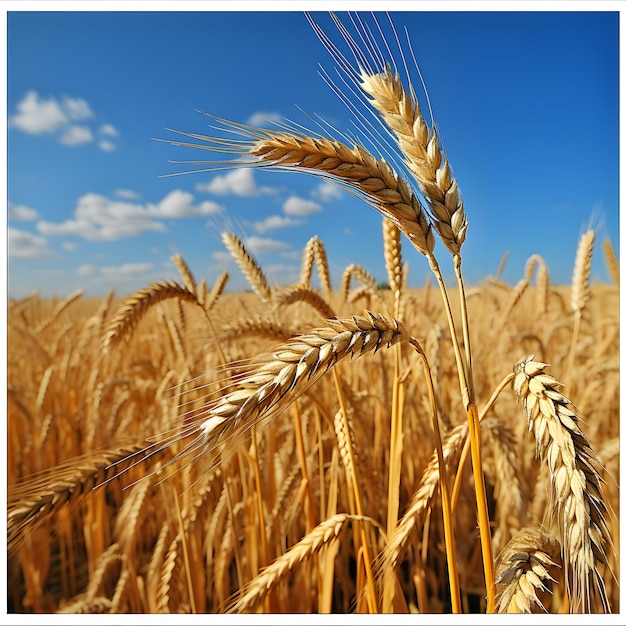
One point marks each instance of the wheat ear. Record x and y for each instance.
(248, 265)
(322, 535)
(421, 500)
(41, 495)
(373, 179)
(523, 570)
(277, 378)
(612, 263)
(392, 247)
(299, 294)
(576, 484)
(362, 275)
(423, 155)
(129, 315)
(59, 309)
(184, 271)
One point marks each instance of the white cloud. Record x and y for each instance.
(85, 270)
(265, 118)
(25, 245)
(281, 273)
(108, 130)
(125, 271)
(106, 146)
(262, 245)
(274, 221)
(327, 192)
(76, 109)
(21, 213)
(76, 135)
(38, 116)
(98, 218)
(127, 194)
(179, 203)
(222, 256)
(301, 207)
(239, 182)
(70, 246)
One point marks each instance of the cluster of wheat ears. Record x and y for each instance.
(200, 451)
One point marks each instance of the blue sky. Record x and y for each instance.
(527, 103)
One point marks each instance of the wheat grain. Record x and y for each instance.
(574, 477)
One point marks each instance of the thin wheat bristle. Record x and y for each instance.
(576, 485)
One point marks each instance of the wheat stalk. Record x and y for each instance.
(576, 484)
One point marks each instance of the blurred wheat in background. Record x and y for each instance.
(318, 448)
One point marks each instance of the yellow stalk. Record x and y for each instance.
(356, 487)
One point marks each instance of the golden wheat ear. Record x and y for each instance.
(576, 484)
(525, 570)
(372, 75)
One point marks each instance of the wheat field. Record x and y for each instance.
(359, 447)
